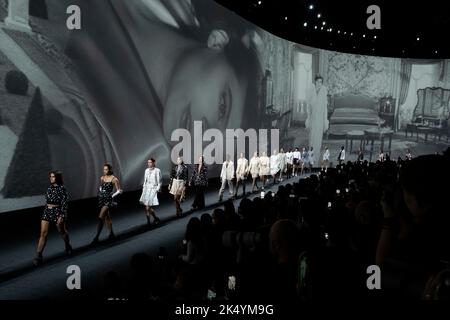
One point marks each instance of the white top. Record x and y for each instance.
(153, 178)
(227, 170)
(275, 164)
(297, 155)
(326, 155)
(342, 155)
(254, 165)
(242, 167)
(289, 157)
(264, 161)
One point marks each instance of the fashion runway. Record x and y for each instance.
(19, 279)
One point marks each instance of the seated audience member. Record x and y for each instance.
(413, 244)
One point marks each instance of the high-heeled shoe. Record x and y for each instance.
(69, 250)
(38, 260)
(94, 241)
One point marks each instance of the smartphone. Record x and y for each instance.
(329, 205)
(231, 283)
(211, 294)
(346, 190)
(263, 194)
(326, 235)
(338, 191)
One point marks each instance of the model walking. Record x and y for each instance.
(108, 182)
(150, 189)
(254, 170)
(226, 176)
(177, 185)
(241, 173)
(264, 168)
(275, 165)
(199, 180)
(55, 212)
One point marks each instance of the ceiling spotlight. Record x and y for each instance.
(319, 15)
(311, 7)
(305, 24)
(259, 2)
(324, 23)
(339, 31)
(285, 18)
(435, 51)
(374, 37)
(331, 29)
(315, 27)
(351, 34)
(418, 39)
(364, 35)
(321, 28)
(345, 32)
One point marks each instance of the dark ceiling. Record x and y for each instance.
(414, 29)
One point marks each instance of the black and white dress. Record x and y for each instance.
(56, 195)
(105, 193)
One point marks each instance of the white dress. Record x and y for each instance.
(264, 166)
(242, 168)
(274, 164)
(317, 121)
(311, 157)
(254, 167)
(283, 166)
(152, 184)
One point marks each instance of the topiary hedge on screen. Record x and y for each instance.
(28, 171)
(16, 82)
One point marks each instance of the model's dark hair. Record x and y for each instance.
(110, 171)
(58, 177)
(152, 160)
(318, 77)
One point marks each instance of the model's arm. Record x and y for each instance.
(64, 198)
(159, 179)
(117, 186)
(145, 177)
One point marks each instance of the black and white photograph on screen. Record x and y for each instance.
(359, 150)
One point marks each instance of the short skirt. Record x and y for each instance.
(52, 214)
(178, 187)
(149, 196)
(264, 170)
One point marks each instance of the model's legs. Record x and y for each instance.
(222, 189)
(42, 237)
(100, 223)
(62, 229)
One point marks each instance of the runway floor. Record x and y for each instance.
(19, 279)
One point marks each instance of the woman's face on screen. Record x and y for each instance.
(204, 87)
